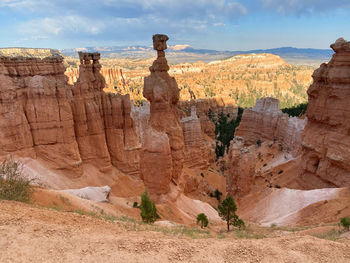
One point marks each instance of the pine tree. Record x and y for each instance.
(148, 209)
(227, 211)
(203, 219)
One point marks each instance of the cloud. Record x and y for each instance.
(61, 26)
(300, 7)
(121, 19)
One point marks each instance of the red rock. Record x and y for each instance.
(163, 94)
(326, 139)
(199, 153)
(42, 116)
(266, 122)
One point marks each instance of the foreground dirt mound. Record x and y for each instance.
(35, 234)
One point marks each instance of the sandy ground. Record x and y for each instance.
(35, 234)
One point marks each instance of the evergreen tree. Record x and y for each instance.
(227, 211)
(148, 209)
(203, 219)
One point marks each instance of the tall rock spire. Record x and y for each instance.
(163, 94)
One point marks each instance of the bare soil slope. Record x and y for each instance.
(33, 234)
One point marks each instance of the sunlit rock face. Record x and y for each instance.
(199, 153)
(44, 117)
(161, 90)
(326, 141)
(266, 122)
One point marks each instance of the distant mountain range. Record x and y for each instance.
(186, 53)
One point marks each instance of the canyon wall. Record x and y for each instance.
(111, 76)
(266, 122)
(207, 109)
(42, 116)
(326, 140)
(199, 152)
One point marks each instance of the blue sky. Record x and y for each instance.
(212, 24)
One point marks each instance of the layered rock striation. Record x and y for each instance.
(199, 153)
(207, 110)
(326, 140)
(42, 116)
(163, 152)
(266, 122)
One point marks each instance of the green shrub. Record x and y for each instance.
(227, 211)
(135, 205)
(13, 186)
(217, 194)
(203, 219)
(345, 222)
(258, 142)
(148, 209)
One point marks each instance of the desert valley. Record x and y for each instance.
(91, 134)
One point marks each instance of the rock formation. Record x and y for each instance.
(207, 109)
(326, 139)
(111, 76)
(36, 114)
(266, 122)
(163, 154)
(199, 153)
(42, 116)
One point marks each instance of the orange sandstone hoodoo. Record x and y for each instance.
(163, 152)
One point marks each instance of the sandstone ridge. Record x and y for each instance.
(44, 117)
(326, 141)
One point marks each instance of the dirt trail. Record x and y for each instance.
(32, 234)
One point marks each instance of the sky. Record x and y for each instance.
(211, 24)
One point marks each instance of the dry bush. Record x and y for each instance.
(13, 185)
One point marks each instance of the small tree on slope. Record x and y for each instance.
(227, 211)
(203, 219)
(148, 209)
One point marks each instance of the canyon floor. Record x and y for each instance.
(32, 233)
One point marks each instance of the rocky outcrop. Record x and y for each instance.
(266, 122)
(36, 114)
(326, 139)
(42, 116)
(163, 152)
(208, 109)
(112, 76)
(199, 153)
(254, 168)
(97, 194)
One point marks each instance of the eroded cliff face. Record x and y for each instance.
(42, 116)
(265, 151)
(266, 122)
(326, 140)
(207, 109)
(199, 151)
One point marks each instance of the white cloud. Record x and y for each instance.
(61, 25)
(297, 7)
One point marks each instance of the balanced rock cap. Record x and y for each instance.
(159, 42)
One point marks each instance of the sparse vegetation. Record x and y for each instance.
(227, 211)
(297, 110)
(345, 222)
(202, 219)
(13, 185)
(224, 131)
(258, 142)
(217, 194)
(148, 209)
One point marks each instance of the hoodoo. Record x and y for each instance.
(163, 152)
(326, 141)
